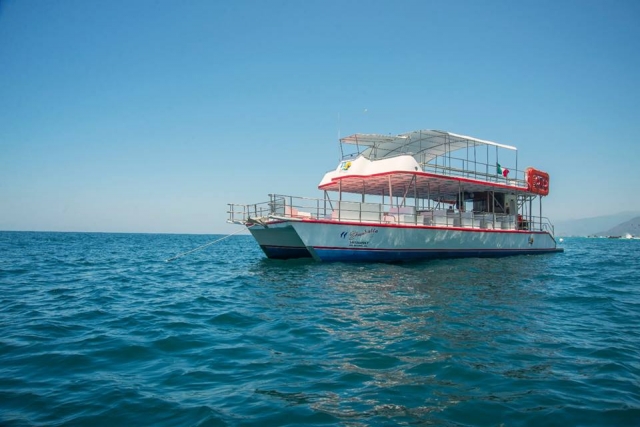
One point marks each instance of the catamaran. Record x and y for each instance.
(418, 195)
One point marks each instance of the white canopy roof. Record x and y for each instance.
(429, 143)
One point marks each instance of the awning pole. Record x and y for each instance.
(390, 193)
(540, 213)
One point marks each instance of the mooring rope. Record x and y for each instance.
(203, 246)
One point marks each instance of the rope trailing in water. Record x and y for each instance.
(203, 246)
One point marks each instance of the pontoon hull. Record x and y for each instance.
(278, 240)
(326, 241)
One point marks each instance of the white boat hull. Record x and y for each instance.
(330, 241)
(279, 240)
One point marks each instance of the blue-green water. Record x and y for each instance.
(97, 329)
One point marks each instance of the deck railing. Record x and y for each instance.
(300, 208)
(477, 170)
(513, 179)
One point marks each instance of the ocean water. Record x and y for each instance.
(98, 330)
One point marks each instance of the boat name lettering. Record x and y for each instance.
(355, 234)
(358, 244)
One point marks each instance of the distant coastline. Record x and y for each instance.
(615, 225)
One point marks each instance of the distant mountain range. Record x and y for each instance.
(628, 227)
(610, 225)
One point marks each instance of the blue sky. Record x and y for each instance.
(151, 116)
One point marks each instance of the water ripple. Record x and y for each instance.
(98, 329)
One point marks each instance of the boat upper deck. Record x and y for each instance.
(442, 162)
